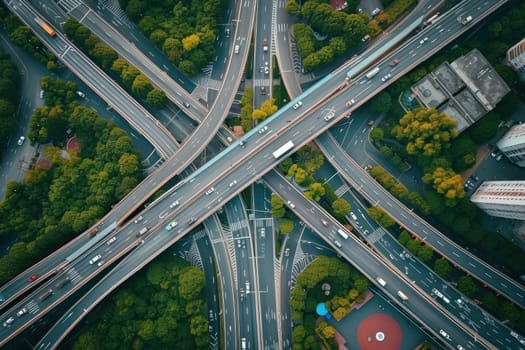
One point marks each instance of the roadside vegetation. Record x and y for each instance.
(497, 305)
(61, 199)
(107, 58)
(442, 156)
(300, 168)
(346, 287)
(22, 36)
(9, 99)
(185, 31)
(325, 34)
(161, 307)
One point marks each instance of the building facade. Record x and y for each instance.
(516, 57)
(512, 144)
(505, 199)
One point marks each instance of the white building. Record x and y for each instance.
(512, 144)
(504, 199)
(516, 56)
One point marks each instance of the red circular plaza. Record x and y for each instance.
(379, 332)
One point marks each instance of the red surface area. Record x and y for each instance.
(73, 144)
(366, 333)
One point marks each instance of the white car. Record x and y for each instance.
(386, 77)
(210, 191)
(174, 204)
(137, 220)
(95, 259)
(423, 40)
(266, 70)
(21, 140)
(444, 334)
(297, 105)
(233, 183)
(350, 103)
(263, 129)
(81, 94)
(21, 312)
(171, 225)
(290, 204)
(9, 321)
(41, 93)
(111, 240)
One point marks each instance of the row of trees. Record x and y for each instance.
(345, 283)
(9, 97)
(54, 205)
(162, 307)
(341, 29)
(22, 36)
(185, 31)
(132, 79)
(399, 190)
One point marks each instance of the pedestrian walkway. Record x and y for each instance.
(114, 7)
(69, 5)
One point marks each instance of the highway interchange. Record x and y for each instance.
(244, 165)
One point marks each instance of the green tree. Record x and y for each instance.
(157, 98)
(315, 191)
(341, 208)
(379, 215)
(442, 267)
(426, 132)
(191, 283)
(277, 205)
(467, 286)
(377, 134)
(141, 86)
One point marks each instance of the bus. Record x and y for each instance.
(45, 27)
(342, 234)
(402, 295)
(283, 149)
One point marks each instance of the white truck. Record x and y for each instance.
(372, 73)
(466, 20)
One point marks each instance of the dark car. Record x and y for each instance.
(191, 221)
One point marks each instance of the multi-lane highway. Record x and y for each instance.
(419, 305)
(246, 164)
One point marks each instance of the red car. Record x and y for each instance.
(394, 63)
(32, 277)
(325, 223)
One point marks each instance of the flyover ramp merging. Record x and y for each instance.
(389, 247)
(420, 306)
(127, 50)
(180, 160)
(376, 194)
(99, 82)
